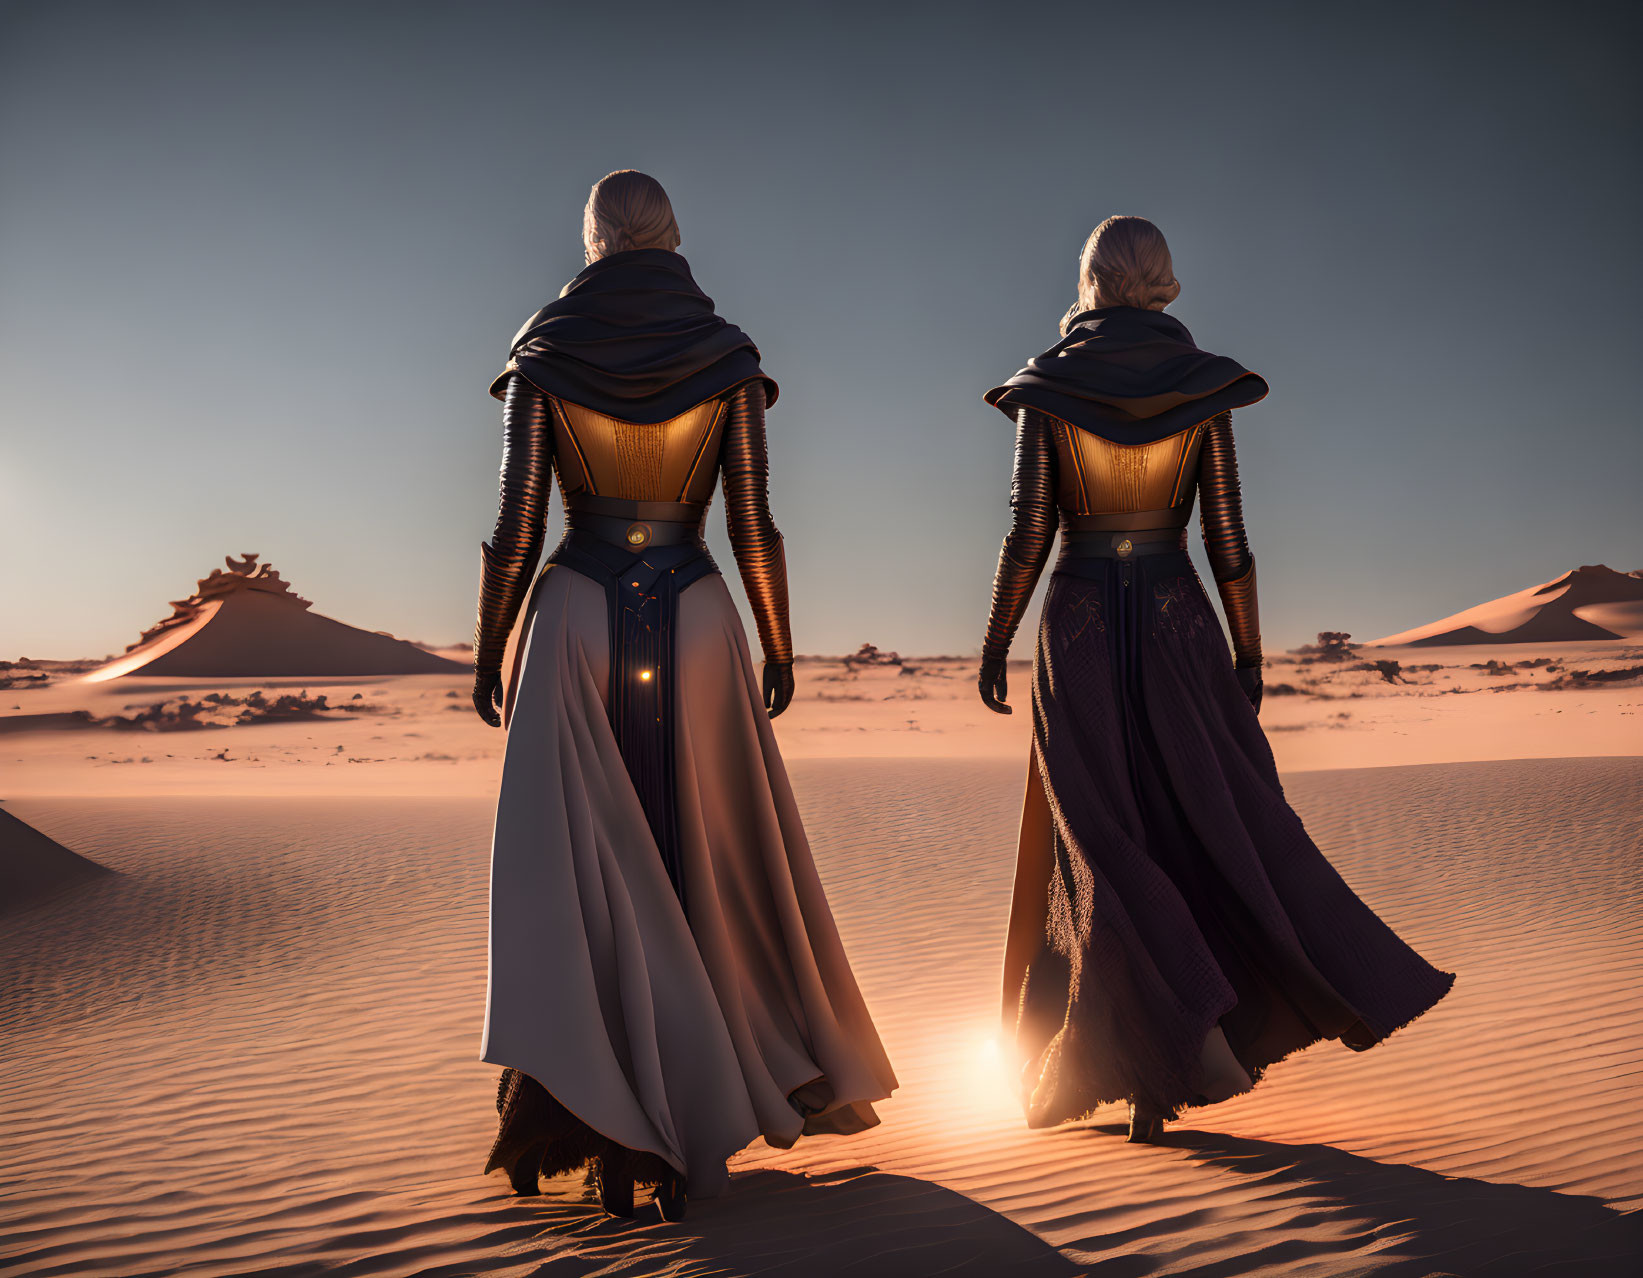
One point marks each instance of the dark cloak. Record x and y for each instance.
(1184, 892)
(1129, 375)
(633, 337)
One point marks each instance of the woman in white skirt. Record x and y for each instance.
(666, 980)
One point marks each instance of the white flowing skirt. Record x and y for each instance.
(683, 1038)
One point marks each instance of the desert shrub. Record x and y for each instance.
(1332, 645)
(162, 716)
(869, 655)
(1591, 678)
(259, 709)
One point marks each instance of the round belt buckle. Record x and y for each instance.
(638, 535)
(1124, 548)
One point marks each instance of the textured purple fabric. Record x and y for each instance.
(1185, 890)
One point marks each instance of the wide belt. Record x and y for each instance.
(633, 525)
(1076, 544)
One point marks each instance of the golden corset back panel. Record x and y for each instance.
(675, 460)
(1096, 476)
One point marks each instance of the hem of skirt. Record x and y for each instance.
(1256, 1070)
(833, 1117)
(1443, 988)
(569, 1142)
(1086, 1109)
(572, 1143)
(862, 1117)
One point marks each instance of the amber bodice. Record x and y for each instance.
(1098, 477)
(681, 460)
(1082, 481)
(676, 460)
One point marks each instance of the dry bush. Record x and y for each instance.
(1332, 645)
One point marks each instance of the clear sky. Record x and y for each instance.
(259, 262)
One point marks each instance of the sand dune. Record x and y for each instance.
(1592, 602)
(252, 1052)
(33, 868)
(246, 620)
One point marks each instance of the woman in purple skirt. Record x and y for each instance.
(1173, 930)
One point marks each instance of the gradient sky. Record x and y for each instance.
(258, 264)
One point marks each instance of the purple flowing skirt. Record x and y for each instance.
(1184, 892)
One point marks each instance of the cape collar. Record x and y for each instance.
(633, 337)
(1130, 375)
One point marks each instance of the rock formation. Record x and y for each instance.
(246, 621)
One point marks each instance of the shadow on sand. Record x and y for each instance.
(1404, 1221)
(860, 1223)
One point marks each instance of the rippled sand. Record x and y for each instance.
(251, 1050)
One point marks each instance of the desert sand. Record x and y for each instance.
(418, 734)
(250, 1049)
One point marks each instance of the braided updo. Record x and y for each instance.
(627, 210)
(1125, 262)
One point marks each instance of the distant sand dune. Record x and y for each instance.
(1593, 602)
(252, 1052)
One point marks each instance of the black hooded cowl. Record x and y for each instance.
(1129, 375)
(634, 338)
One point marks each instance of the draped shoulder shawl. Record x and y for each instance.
(633, 337)
(1132, 376)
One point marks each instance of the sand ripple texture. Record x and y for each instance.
(251, 1051)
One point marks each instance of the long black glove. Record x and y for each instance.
(994, 686)
(1249, 679)
(778, 686)
(488, 696)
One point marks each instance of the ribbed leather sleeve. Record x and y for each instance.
(509, 559)
(1032, 532)
(1222, 520)
(745, 465)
